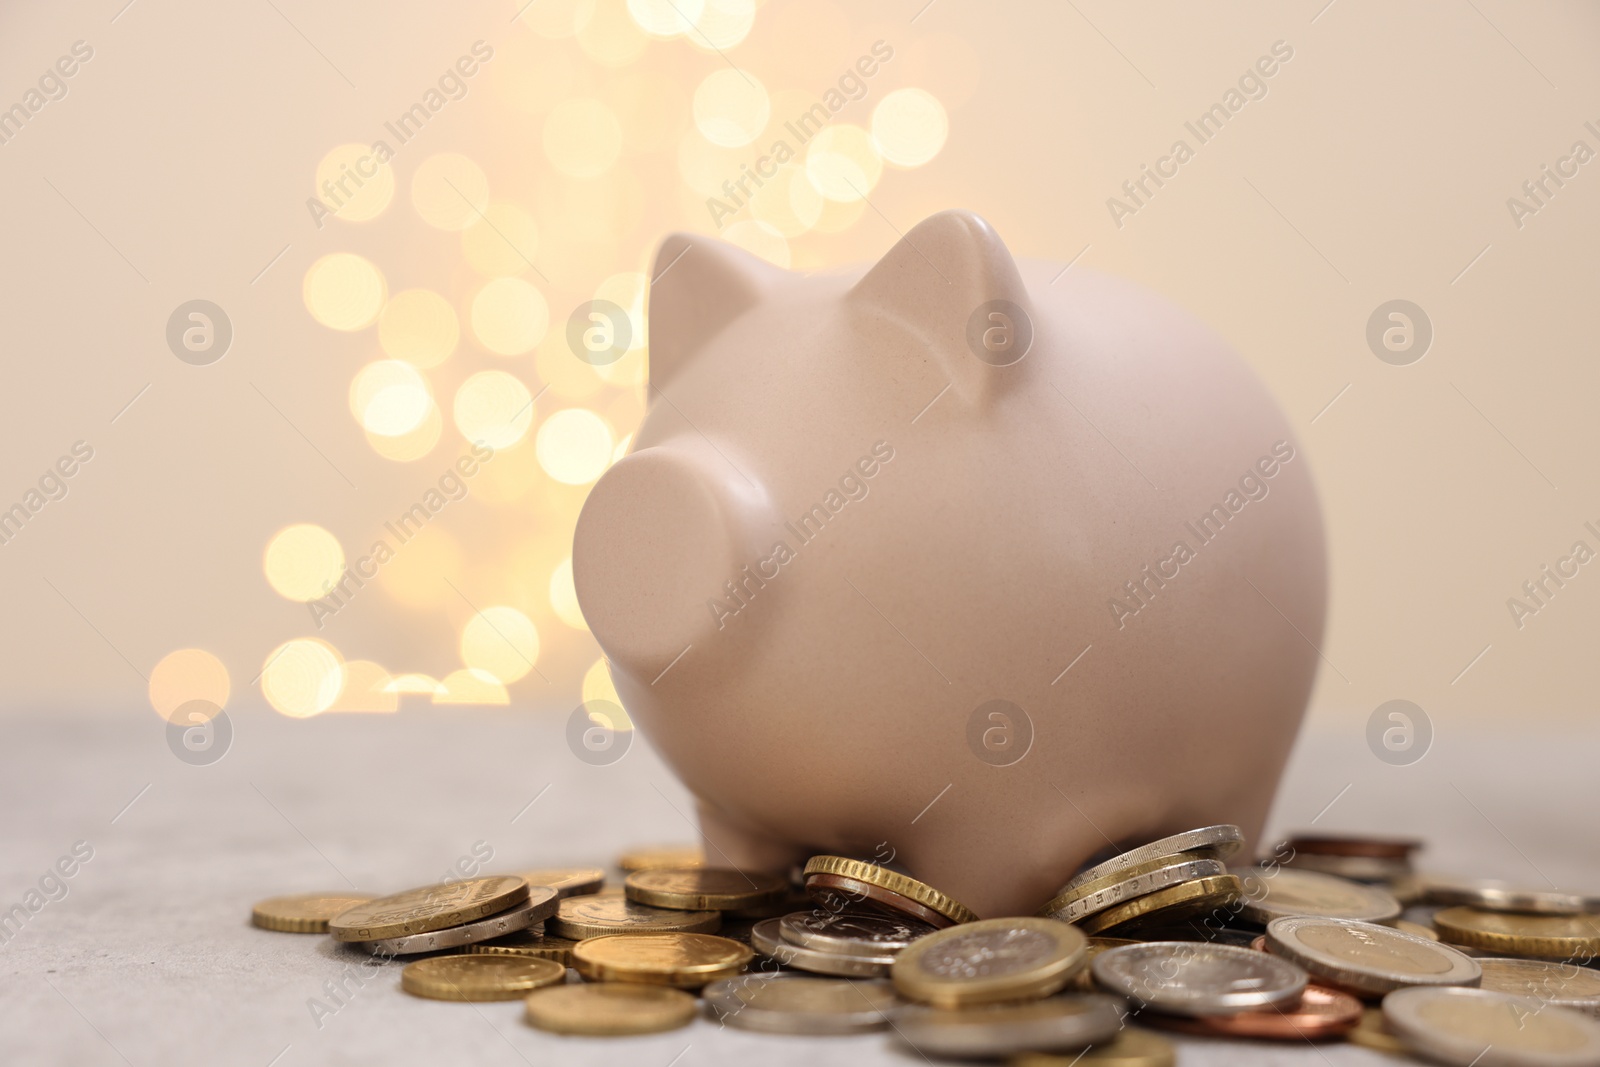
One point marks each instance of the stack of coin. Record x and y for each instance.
(846, 944)
(449, 915)
(1156, 884)
(839, 884)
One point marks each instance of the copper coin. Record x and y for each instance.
(1322, 1012)
(1260, 944)
(1383, 848)
(831, 889)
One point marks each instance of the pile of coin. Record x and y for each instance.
(1163, 937)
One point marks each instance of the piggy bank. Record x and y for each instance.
(983, 566)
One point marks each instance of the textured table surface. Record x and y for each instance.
(149, 959)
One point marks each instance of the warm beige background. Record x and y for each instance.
(1377, 167)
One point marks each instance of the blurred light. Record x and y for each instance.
(759, 239)
(582, 138)
(419, 574)
(610, 38)
(723, 24)
(389, 397)
(909, 127)
(302, 677)
(418, 326)
(413, 683)
(564, 597)
(575, 446)
(665, 18)
(495, 408)
(353, 185)
(303, 562)
(731, 108)
(189, 674)
(449, 191)
(566, 376)
(502, 641)
(471, 687)
(366, 688)
(411, 446)
(597, 685)
(509, 316)
(343, 291)
(555, 19)
(842, 163)
(837, 217)
(788, 203)
(505, 241)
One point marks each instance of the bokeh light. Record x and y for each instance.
(352, 184)
(366, 689)
(471, 686)
(501, 641)
(189, 674)
(564, 596)
(666, 18)
(390, 398)
(343, 291)
(909, 127)
(555, 19)
(302, 677)
(509, 316)
(418, 326)
(597, 685)
(413, 684)
(303, 562)
(504, 241)
(722, 24)
(610, 37)
(582, 138)
(575, 446)
(493, 407)
(731, 108)
(842, 162)
(412, 446)
(449, 191)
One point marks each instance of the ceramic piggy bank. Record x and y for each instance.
(981, 564)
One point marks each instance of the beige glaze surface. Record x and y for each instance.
(976, 533)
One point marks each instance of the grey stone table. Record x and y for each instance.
(145, 955)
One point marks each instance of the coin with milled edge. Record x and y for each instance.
(566, 881)
(990, 960)
(1195, 978)
(1208, 842)
(527, 943)
(766, 937)
(1130, 1048)
(428, 908)
(598, 914)
(303, 913)
(687, 961)
(540, 905)
(1549, 936)
(799, 1004)
(1564, 984)
(851, 933)
(1167, 905)
(992, 1030)
(1367, 958)
(644, 859)
(1271, 893)
(703, 888)
(1142, 880)
(613, 1009)
(1465, 1027)
(1490, 895)
(1320, 1013)
(479, 977)
(836, 883)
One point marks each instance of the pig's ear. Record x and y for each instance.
(697, 287)
(653, 547)
(951, 282)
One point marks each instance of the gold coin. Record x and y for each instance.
(1130, 1048)
(703, 888)
(1406, 926)
(988, 961)
(303, 913)
(610, 1010)
(1165, 905)
(1549, 936)
(478, 977)
(1458, 1026)
(524, 943)
(687, 961)
(599, 914)
(1372, 1032)
(428, 908)
(892, 882)
(1563, 984)
(566, 881)
(645, 859)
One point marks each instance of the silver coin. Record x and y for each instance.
(540, 905)
(1492, 895)
(1564, 984)
(1467, 1027)
(1069, 1021)
(851, 933)
(1366, 957)
(1273, 892)
(1219, 841)
(1195, 978)
(1138, 885)
(766, 938)
(799, 1004)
